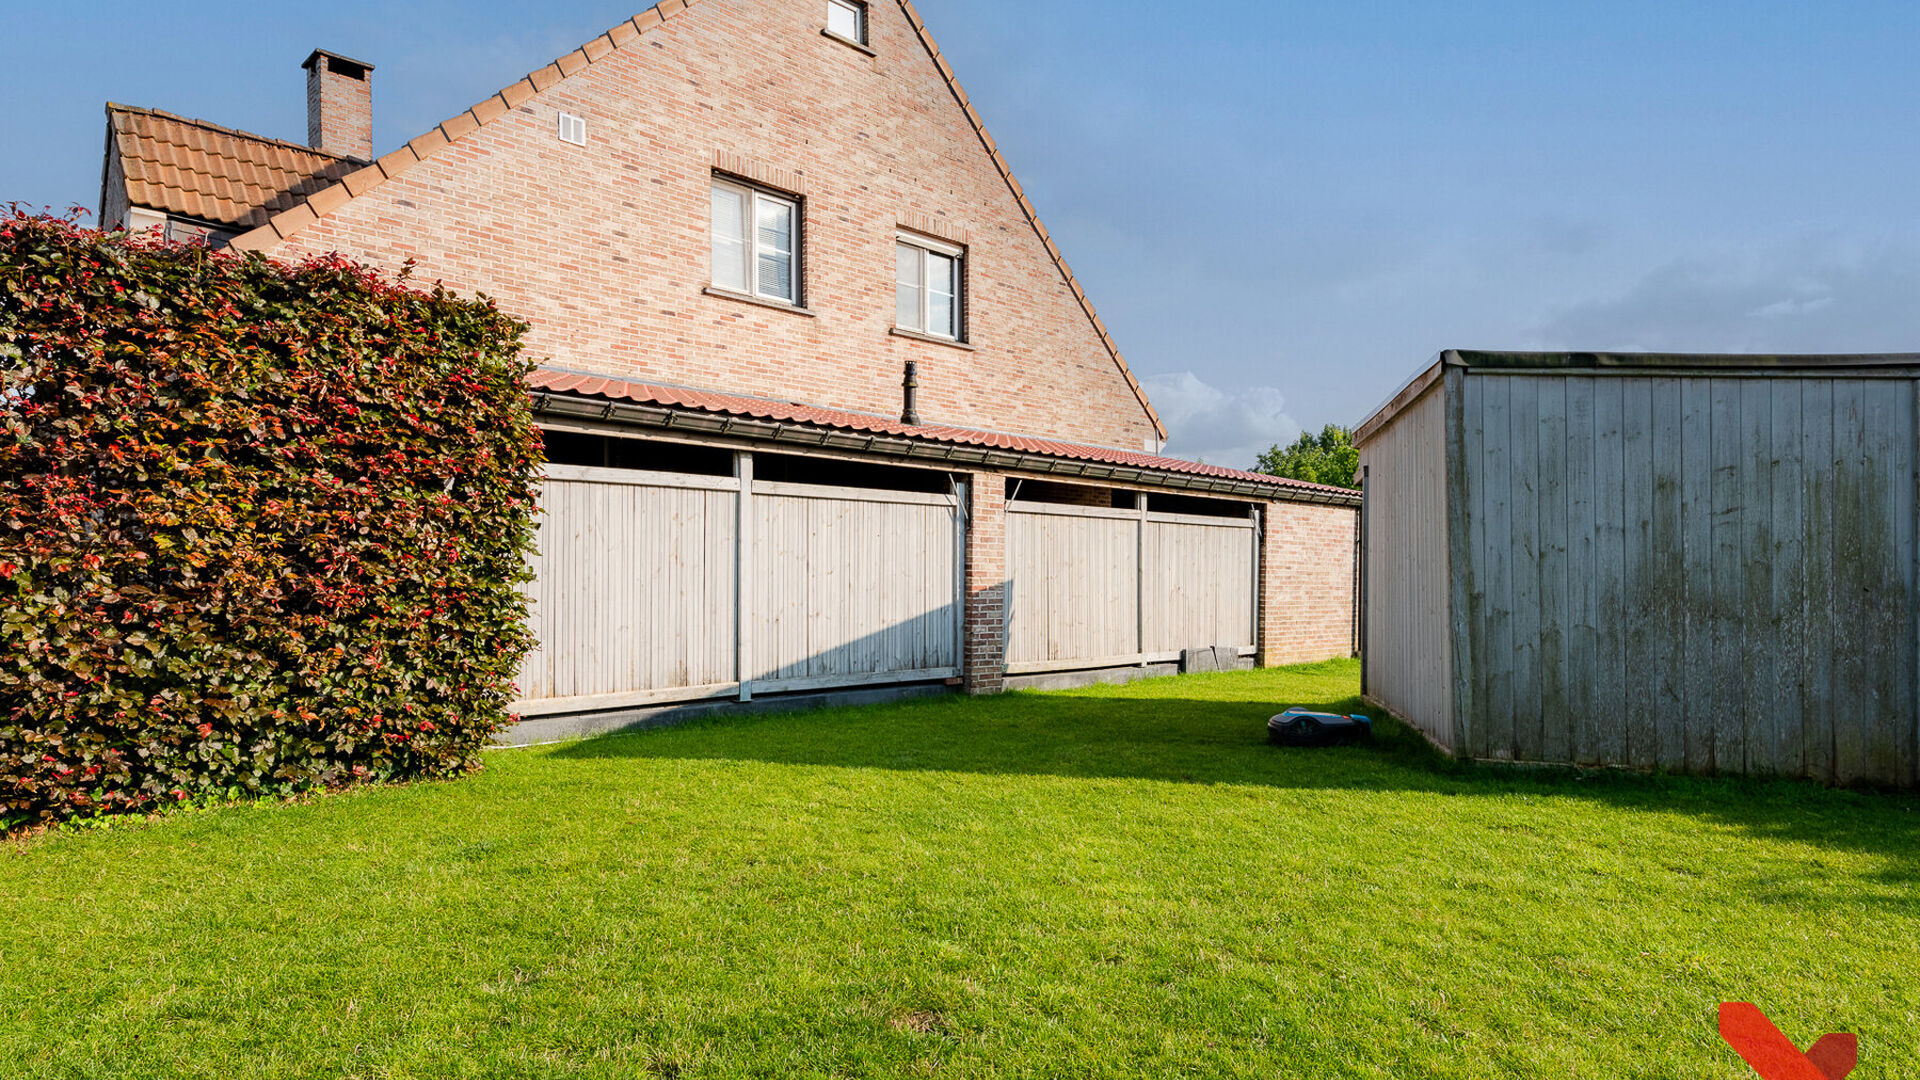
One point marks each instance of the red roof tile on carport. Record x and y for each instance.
(612, 389)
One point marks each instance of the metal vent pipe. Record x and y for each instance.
(910, 389)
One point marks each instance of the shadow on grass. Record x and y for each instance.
(1211, 730)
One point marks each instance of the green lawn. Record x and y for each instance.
(1111, 882)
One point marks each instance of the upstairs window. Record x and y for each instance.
(927, 287)
(755, 238)
(847, 19)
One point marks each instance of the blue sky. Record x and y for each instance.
(1282, 210)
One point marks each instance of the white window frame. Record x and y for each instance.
(568, 122)
(859, 12)
(753, 197)
(926, 246)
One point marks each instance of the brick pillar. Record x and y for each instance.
(1307, 598)
(1272, 523)
(984, 641)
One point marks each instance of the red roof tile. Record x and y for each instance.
(215, 174)
(612, 389)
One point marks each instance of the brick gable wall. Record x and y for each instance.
(604, 249)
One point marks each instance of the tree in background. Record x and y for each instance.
(1326, 458)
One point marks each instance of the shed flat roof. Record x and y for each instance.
(1501, 362)
(1478, 358)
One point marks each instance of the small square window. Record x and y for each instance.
(573, 129)
(847, 19)
(927, 287)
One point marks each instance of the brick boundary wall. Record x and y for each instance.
(1308, 598)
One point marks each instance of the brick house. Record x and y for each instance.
(825, 406)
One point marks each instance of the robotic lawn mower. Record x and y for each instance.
(1301, 726)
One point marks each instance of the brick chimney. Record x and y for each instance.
(339, 104)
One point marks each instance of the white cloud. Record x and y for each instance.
(1218, 426)
(1806, 295)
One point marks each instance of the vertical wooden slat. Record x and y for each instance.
(1849, 616)
(1495, 736)
(1581, 572)
(567, 586)
(1607, 717)
(1652, 544)
(1910, 720)
(1786, 481)
(1464, 435)
(744, 616)
(1885, 517)
(1523, 431)
(1759, 635)
(1724, 751)
(1689, 705)
(1817, 702)
(1550, 732)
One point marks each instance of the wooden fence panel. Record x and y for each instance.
(1198, 585)
(851, 586)
(1072, 580)
(632, 597)
(1094, 587)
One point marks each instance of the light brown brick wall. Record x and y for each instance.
(983, 667)
(1307, 595)
(604, 248)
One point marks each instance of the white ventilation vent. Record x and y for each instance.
(573, 129)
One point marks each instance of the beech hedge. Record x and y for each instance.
(261, 526)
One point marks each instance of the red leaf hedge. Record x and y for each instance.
(261, 526)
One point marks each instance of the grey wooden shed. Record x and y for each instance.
(1695, 563)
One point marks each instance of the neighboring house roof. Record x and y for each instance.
(300, 213)
(823, 420)
(214, 174)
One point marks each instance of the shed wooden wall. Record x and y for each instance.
(1697, 573)
(1408, 631)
